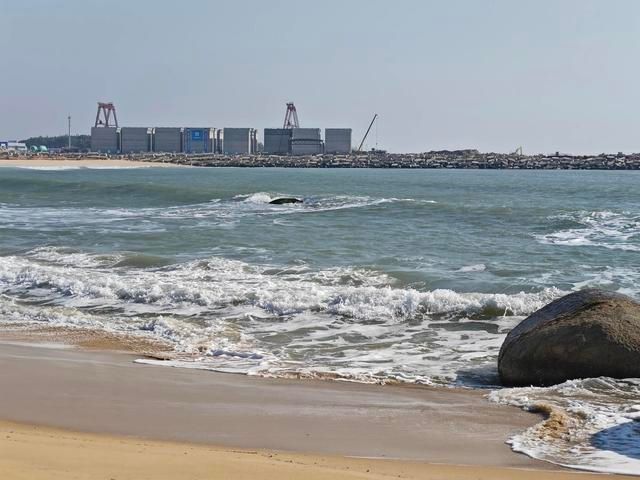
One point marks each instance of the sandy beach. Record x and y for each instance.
(60, 162)
(65, 454)
(139, 421)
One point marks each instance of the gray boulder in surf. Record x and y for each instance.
(590, 333)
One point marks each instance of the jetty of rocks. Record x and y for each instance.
(453, 159)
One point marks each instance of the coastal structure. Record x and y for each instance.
(445, 159)
(306, 141)
(199, 140)
(337, 140)
(291, 139)
(239, 141)
(277, 141)
(105, 140)
(13, 146)
(167, 139)
(135, 139)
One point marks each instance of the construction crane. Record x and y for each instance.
(105, 110)
(367, 134)
(291, 117)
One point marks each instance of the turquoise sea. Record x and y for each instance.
(378, 276)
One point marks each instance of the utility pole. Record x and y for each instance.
(69, 133)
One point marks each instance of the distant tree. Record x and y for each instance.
(82, 142)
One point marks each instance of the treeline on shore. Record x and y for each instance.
(78, 142)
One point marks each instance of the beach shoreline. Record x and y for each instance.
(59, 398)
(129, 457)
(67, 163)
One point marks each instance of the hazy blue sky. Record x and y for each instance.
(493, 75)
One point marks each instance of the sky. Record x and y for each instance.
(549, 75)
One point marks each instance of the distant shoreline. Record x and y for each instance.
(458, 159)
(37, 162)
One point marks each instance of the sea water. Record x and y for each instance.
(378, 276)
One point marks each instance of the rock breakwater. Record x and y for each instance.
(454, 159)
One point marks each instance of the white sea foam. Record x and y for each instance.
(611, 230)
(592, 424)
(351, 322)
(216, 211)
(480, 267)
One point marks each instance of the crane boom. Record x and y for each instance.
(368, 130)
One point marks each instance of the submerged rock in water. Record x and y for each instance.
(590, 333)
(284, 200)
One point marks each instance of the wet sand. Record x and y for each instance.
(115, 403)
(63, 454)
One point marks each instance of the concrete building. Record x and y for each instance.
(238, 141)
(199, 140)
(254, 140)
(167, 139)
(15, 146)
(306, 141)
(219, 140)
(277, 141)
(337, 140)
(104, 139)
(135, 140)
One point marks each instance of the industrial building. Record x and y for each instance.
(107, 137)
(167, 139)
(277, 141)
(219, 140)
(104, 140)
(238, 141)
(306, 141)
(13, 146)
(199, 140)
(135, 139)
(337, 140)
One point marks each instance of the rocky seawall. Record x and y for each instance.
(461, 159)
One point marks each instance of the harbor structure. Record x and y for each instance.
(105, 136)
(219, 139)
(238, 141)
(167, 139)
(199, 140)
(277, 141)
(291, 139)
(306, 141)
(14, 146)
(104, 139)
(337, 140)
(135, 139)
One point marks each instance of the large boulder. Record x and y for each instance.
(590, 333)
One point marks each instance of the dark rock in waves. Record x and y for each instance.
(590, 333)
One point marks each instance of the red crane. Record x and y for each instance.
(106, 109)
(291, 117)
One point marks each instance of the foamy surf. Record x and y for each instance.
(606, 229)
(590, 424)
(357, 321)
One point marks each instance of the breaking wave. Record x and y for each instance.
(611, 230)
(271, 319)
